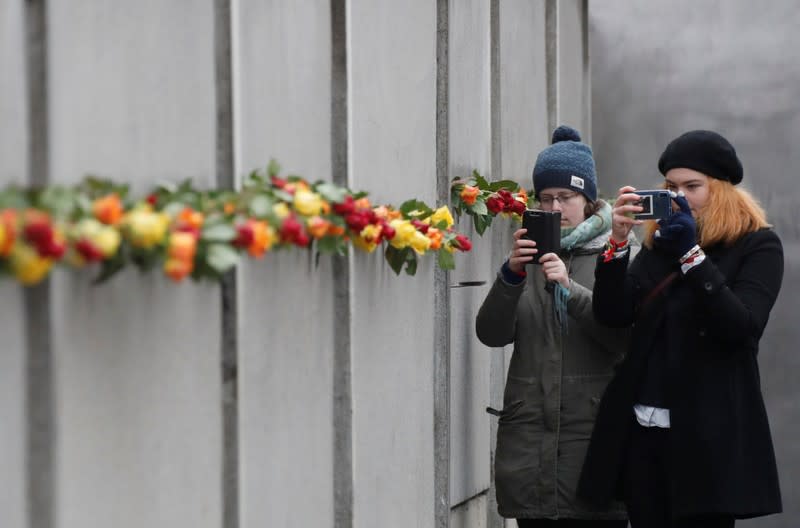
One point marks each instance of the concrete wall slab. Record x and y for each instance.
(137, 360)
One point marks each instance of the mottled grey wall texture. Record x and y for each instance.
(662, 67)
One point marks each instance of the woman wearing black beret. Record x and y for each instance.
(682, 434)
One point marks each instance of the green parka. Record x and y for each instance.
(555, 381)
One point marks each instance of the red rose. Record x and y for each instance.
(422, 227)
(88, 250)
(517, 207)
(244, 235)
(346, 207)
(495, 204)
(462, 242)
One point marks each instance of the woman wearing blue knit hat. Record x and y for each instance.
(562, 359)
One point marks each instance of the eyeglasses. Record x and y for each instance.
(562, 198)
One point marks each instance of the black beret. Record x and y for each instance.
(704, 151)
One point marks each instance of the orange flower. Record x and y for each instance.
(335, 230)
(522, 196)
(182, 246)
(363, 203)
(436, 237)
(229, 208)
(469, 194)
(108, 209)
(177, 269)
(8, 231)
(317, 226)
(191, 218)
(263, 238)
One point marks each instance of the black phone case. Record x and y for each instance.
(544, 228)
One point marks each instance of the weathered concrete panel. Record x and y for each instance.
(470, 144)
(523, 89)
(573, 68)
(724, 66)
(137, 360)
(283, 71)
(393, 138)
(13, 169)
(470, 514)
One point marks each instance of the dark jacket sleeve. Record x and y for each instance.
(496, 321)
(613, 298)
(739, 309)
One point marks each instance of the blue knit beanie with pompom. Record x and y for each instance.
(566, 163)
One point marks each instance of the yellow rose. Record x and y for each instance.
(404, 232)
(442, 214)
(307, 203)
(281, 210)
(146, 229)
(26, 264)
(368, 238)
(420, 243)
(107, 241)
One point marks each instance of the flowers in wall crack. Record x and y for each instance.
(201, 234)
(483, 200)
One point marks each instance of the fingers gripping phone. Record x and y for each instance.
(544, 228)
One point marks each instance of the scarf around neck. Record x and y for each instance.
(586, 233)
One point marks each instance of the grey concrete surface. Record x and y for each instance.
(13, 169)
(392, 145)
(137, 360)
(470, 514)
(573, 66)
(469, 148)
(523, 88)
(282, 72)
(661, 68)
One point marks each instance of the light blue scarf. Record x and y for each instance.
(576, 237)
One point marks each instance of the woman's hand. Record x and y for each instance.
(622, 220)
(522, 252)
(554, 269)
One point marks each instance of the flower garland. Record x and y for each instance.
(202, 234)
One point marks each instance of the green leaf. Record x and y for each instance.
(274, 168)
(481, 223)
(220, 232)
(331, 244)
(479, 208)
(504, 184)
(221, 257)
(480, 181)
(260, 206)
(446, 260)
(396, 258)
(411, 262)
(410, 206)
(111, 267)
(283, 195)
(331, 192)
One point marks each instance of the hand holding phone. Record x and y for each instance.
(544, 228)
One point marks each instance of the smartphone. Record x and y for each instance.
(655, 204)
(544, 228)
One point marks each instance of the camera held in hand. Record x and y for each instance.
(655, 205)
(544, 228)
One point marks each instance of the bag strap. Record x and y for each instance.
(666, 281)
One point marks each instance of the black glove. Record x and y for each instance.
(677, 233)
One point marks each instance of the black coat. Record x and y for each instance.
(720, 456)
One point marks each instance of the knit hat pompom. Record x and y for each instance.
(565, 133)
(567, 164)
